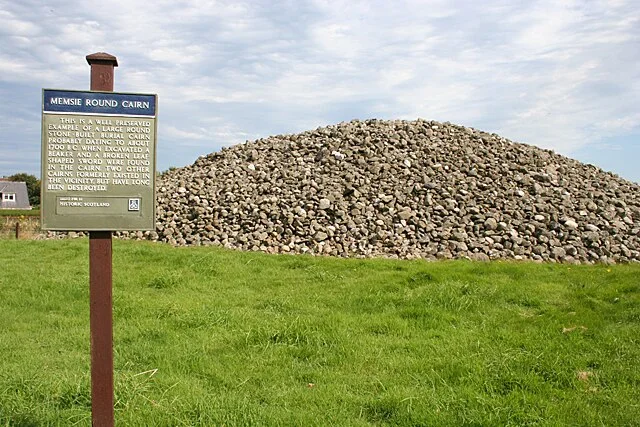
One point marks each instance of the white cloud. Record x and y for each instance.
(561, 75)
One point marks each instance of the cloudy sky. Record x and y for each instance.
(563, 75)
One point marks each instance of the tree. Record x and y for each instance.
(33, 186)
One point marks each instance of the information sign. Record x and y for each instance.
(98, 161)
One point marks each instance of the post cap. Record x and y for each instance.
(102, 58)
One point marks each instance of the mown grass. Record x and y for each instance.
(20, 212)
(204, 336)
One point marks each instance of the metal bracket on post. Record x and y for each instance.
(100, 283)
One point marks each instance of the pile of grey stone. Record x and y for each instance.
(401, 189)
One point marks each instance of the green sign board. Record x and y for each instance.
(98, 161)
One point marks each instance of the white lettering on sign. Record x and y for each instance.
(135, 123)
(101, 103)
(93, 155)
(66, 174)
(66, 101)
(88, 188)
(77, 202)
(135, 104)
(62, 126)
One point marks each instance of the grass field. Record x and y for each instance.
(204, 336)
(19, 212)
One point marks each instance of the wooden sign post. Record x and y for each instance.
(100, 283)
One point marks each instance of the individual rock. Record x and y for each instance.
(324, 204)
(558, 253)
(320, 236)
(405, 214)
(571, 224)
(491, 224)
(479, 256)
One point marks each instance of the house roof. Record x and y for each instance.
(12, 186)
(20, 190)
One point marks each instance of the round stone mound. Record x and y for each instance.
(405, 189)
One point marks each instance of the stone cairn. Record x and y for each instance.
(400, 189)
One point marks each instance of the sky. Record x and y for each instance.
(560, 75)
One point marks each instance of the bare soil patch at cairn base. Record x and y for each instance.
(406, 189)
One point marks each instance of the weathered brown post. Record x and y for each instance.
(18, 230)
(100, 283)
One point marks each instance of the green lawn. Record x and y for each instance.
(204, 336)
(20, 212)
